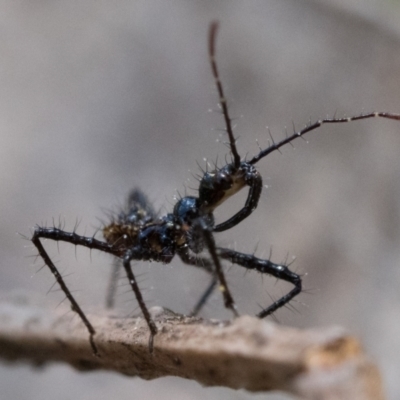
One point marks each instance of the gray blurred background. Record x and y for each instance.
(99, 97)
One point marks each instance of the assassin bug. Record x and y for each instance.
(138, 233)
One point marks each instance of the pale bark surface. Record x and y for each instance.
(244, 353)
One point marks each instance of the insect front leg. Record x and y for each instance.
(253, 179)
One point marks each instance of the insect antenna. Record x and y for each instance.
(312, 126)
(222, 100)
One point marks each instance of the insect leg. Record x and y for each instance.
(210, 243)
(112, 283)
(135, 254)
(265, 267)
(204, 297)
(254, 181)
(208, 266)
(73, 238)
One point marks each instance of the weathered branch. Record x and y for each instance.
(244, 353)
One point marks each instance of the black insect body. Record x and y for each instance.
(138, 233)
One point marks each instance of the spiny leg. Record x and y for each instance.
(204, 297)
(265, 267)
(138, 211)
(139, 208)
(59, 235)
(200, 223)
(112, 283)
(207, 265)
(193, 259)
(317, 124)
(254, 181)
(135, 254)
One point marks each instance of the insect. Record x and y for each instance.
(138, 233)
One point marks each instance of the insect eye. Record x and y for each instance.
(216, 181)
(223, 181)
(213, 187)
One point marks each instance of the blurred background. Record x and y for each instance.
(99, 97)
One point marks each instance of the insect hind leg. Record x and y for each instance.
(60, 235)
(204, 297)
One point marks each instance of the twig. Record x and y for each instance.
(244, 353)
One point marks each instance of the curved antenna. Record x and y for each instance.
(315, 125)
(222, 100)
